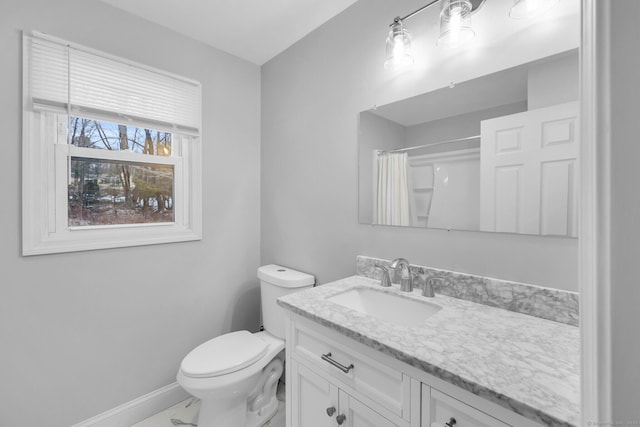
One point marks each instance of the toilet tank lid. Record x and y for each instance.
(284, 277)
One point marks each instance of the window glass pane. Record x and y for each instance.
(103, 135)
(105, 192)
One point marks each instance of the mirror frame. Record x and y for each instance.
(594, 232)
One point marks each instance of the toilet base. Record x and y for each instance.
(212, 415)
(263, 401)
(245, 398)
(258, 418)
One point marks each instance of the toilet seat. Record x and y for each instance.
(223, 355)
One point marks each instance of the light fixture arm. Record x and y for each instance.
(455, 30)
(415, 12)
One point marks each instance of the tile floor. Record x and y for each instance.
(185, 414)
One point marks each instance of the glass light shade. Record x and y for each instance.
(523, 9)
(399, 53)
(455, 23)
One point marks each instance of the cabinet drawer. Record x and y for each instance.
(438, 408)
(383, 385)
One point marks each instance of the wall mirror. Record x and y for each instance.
(498, 153)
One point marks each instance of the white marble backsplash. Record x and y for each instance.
(547, 303)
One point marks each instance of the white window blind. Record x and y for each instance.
(87, 83)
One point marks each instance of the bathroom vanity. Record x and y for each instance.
(350, 363)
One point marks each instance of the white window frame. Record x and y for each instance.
(45, 175)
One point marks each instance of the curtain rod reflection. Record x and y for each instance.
(398, 150)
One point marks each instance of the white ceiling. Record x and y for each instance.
(256, 30)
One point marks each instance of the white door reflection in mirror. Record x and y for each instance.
(529, 172)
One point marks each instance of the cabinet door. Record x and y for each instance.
(438, 410)
(354, 413)
(312, 396)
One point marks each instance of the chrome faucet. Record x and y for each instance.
(406, 282)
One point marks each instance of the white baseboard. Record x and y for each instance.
(138, 409)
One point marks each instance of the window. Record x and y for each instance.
(103, 190)
(111, 151)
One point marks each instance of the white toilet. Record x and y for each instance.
(235, 375)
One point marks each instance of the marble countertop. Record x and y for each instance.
(527, 364)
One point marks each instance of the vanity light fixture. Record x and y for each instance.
(523, 9)
(455, 23)
(399, 53)
(455, 30)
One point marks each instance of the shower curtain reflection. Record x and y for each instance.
(393, 190)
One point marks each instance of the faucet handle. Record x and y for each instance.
(385, 280)
(432, 282)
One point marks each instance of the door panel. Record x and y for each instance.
(529, 172)
(314, 395)
(358, 414)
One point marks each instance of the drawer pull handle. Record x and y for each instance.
(331, 410)
(451, 423)
(340, 419)
(345, 369)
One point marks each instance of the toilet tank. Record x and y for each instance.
(277, 281)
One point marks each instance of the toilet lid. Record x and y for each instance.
(223, 355)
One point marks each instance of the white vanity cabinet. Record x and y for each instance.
(333, 380)
(321, 403)
(442, 410)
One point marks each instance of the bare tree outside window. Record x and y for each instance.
(106, 192)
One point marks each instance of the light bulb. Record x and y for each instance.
(399, 53)
(455, 23)
(398, 47)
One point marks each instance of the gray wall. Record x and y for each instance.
(553, 82)
(81, 333)
(625, 209)
(461, 126)
(311, 96)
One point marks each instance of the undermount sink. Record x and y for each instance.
(386, 306)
